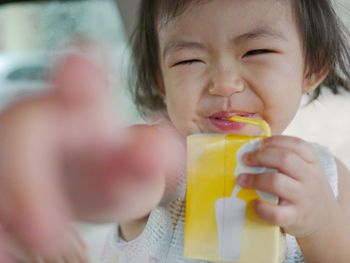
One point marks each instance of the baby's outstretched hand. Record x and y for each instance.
(64, 157)
(306, 198)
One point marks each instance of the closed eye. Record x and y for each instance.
(257, 52)
(187, 62)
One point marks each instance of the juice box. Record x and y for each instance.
(220, 222)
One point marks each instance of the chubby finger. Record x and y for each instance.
(32, 207)
(78, 80)
(154, 149)
(277, 184)
(85, 116)
(145, 153)
(297, 145)
(141, 168)
(280, 215)
(73, 250)
(4, 250)
(282, 159)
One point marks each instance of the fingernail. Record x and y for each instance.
(246, 158)
(260, 144)
(254, 203)
(243, 179)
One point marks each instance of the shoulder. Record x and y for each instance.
(329, 164)
(338, 175)
(155, 128)
(159, 123)
(344, 186)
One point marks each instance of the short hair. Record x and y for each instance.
(324, 36)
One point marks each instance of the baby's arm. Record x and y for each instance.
(331, 243)
(155, 187)
(308, 208)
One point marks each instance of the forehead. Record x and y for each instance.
(228, 19)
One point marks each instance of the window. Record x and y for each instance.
(31, 33)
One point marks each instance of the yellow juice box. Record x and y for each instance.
(220, 222)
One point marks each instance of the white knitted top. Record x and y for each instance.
(162, 240)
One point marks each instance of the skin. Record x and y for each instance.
(72, 152)
(64, 157)
(73, 251)
(246, 56)
(219, 74)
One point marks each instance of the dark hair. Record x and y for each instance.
(325, 43)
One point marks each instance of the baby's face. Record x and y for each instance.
(232, 57)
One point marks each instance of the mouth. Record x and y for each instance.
(220, 120)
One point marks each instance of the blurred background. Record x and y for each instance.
(33, 33)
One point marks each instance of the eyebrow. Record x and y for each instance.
(255, 34)
(259, 33)
(177, 45)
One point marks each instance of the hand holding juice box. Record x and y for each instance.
(220, 224)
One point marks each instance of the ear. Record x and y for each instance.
(313, 80)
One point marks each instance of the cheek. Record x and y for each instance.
(281, 110)
(182, 100)
(182, 92)
(280, 92)
(179, 99)
(180, 112)
(279, 80)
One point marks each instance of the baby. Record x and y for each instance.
(197, 63)
(201, 62)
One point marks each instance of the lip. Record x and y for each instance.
(220, 120)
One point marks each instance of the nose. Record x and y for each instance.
(226, 84)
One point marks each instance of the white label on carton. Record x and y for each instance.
(230, 211)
